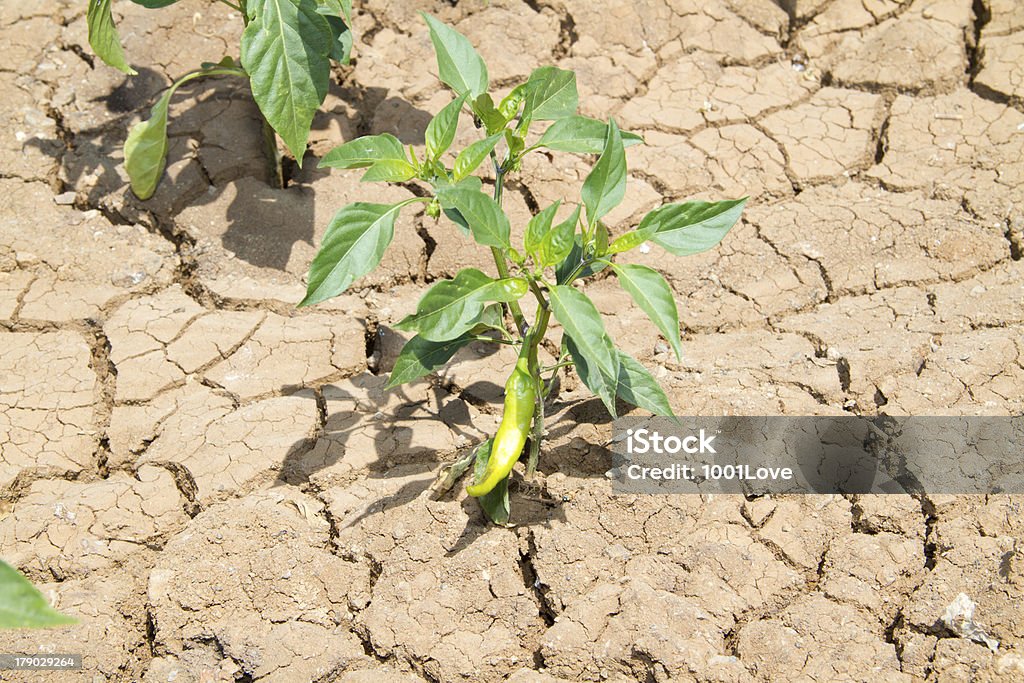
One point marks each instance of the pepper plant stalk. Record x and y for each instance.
(271, 152)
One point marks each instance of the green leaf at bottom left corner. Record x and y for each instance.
(145, 150)
(23, 606)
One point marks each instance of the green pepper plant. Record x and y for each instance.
(555, 254)
(286, 52)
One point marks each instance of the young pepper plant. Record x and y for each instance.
(560, 248)
(286, 52)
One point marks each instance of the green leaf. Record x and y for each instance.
(352, 246)
(364, 151)
(450, 308)
(145, 149)
(486, 220)
(390, 171)
(473, 155)
(538, 227)
(573, 260)
(458, 64)
(442, 128)
(593, 352)
(492, 118)
(652, 294)
(22, 606)
(581, 135)
(627, 241)
(550, 94)
(342, 39)
(154, 4)
(285, 50)
(605, 187)
(420, 357)
(692, 227)
(637, 387)
(558, 242)
(337, 8)
(494, 503)
(103, 36)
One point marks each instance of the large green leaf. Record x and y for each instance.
(605, 187)
(364, 151)
(637, 387)
(22, 606)
(593, 352)
(581, 135)
(452, 307)
(486, 220)
(652, 294)
(458, 64)
(145, 150)
(285, 49)
(352, 246)
(473, 155)
(550, 94)
(420, 357)
(693, 227)
(103, 36)
(442, 128)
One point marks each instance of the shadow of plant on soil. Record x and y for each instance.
(396, 454)
(214, 140)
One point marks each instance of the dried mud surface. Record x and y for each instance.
(218, 486)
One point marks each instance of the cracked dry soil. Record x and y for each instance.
(217, 485)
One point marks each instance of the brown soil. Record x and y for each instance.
(217, 485)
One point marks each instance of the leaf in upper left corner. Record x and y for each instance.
(103, 36)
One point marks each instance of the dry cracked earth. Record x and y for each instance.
(217, 485)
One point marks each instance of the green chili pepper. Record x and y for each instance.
(520, 396)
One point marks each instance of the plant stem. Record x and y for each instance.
(536, 337)
(271, 153)
(499, 257)
(237, 8)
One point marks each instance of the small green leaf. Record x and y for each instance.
(605, 187)
(558, 242)
(103, 37)
(492, 118)
(458, 64)
(341, 45)
(473, 155)
(486, 220)
(627, 241)
(420, 357)
(575, 258)
(390, 171)
(336, 8)
(637, 387)
(693, 227)
(495, 503)
(442, 128)
(285, 50)
(510, 104)
(352, 246)
(364, 151)
(550, 94)
(593, 352)
(450, 308)
(581, 135)
(538, 227)
(22, 605)
(653, 295)
(145, 149)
